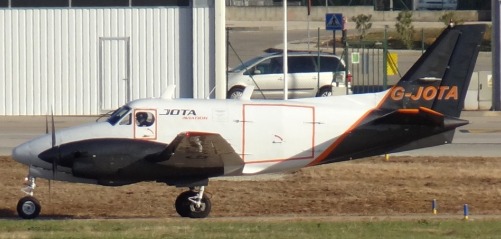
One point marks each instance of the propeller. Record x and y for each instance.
(55, 159)
(53, 133)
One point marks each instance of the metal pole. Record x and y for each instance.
(308, 30)
(385, 58)
(227, 57)
(318, 59)
(285, 61)
(496, 51)
(308, 27)
(221, 42)
(334, 42)
(422, 41)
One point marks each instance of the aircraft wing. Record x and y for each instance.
(200, 150)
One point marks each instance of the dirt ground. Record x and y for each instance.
(373, 186)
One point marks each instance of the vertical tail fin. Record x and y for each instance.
(440, 78)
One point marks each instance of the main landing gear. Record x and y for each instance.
(193, 203)
(29, 207)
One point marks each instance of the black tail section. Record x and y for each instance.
(440, 78)
(422, 110)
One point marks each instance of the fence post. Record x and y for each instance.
(422, 41)
(345, 43)
(385, 58)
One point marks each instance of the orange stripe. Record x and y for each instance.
(334, 145)
(385, 97)
(277, 160)
(408, 111)
(430, 111)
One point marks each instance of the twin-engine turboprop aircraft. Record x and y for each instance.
(185, 142)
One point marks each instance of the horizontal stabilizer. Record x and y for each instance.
(421, 116)
(393, 131)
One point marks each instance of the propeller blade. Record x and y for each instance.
(47, 123)
(54, 160)
(53, 143)
(50, 192)
(53, 129)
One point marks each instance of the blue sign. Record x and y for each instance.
(333, 21)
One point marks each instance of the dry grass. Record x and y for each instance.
(365, 187)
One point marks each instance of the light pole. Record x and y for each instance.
(496, 51)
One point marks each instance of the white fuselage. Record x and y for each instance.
(269, 136)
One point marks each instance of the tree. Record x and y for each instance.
(405, 28)
(363, 24)
(449, 17)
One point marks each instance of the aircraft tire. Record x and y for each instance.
(185, 208)
(204, 209)
(28, 207)
(183, 204)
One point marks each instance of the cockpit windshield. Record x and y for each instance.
(118, 114)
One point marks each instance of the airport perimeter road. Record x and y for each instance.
(480, 138)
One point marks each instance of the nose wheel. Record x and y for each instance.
(29, 207)
(193, 203)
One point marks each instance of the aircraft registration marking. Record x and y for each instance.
(426, 93)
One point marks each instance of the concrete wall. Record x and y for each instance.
(299, 13)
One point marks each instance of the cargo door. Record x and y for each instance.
(277, 133)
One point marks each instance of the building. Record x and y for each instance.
(87, 57)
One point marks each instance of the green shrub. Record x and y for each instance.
(405, 28)
(363, 24)
(448, 17)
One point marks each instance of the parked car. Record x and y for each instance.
(309, 74)
(437, 5)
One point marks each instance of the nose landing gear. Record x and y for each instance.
(29, 207)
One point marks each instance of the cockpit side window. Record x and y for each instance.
(126, 120)
(144, 119)
(118, 115)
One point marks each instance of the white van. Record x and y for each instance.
(437, 4)
(310, 74)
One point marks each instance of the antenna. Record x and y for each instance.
(168, 94)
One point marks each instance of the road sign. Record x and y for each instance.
(355, 57)
(333, 21)
(392, 64)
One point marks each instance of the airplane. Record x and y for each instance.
(186, 142)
